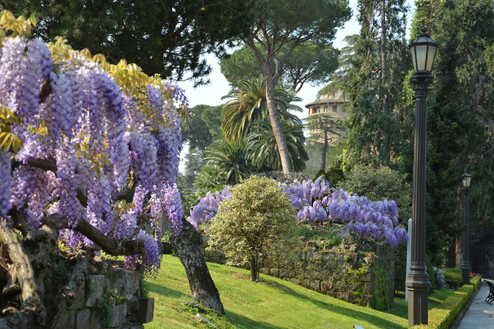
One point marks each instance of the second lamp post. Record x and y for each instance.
(465, 264)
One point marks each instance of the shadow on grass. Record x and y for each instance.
(163, 290)
(238, 320)
(343, 311)
(241, 321)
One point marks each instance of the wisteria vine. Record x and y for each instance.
(100, 142)
(316, 202)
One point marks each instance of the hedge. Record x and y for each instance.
(453, 277)
(442, 316)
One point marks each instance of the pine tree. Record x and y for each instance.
(375, 80)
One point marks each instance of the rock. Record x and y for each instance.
(96, 285)
(95, 324)
(202, 319)
(66, 321)
(118, 313)
(83, 319)
(78, 291)
(146, 310)
(125, 282)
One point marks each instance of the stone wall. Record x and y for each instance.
(350, 274)
(101, 295)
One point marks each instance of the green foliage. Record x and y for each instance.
(263, 151)
(210, 178)
(104, 306)
(379, 184)
(13, 26)
(443, 316)
(400, 267)
(376, 65)
(287, 25)
(8, 141)
(247, 104)
(334, 175)
(460, 107)
(256, 224)
(309, 62)
(230, 157)
(193, 165)
(204, 126)
(167, 247)
(325, 237)
(165, 37)
(453, 277)
(143, 286)
(380, 288)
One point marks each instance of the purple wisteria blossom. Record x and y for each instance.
(97, 140)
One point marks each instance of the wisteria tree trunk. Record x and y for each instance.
(186, 245)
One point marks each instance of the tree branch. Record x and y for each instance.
(109, 245)
(45, 91)
(22, 274)
(43, 164)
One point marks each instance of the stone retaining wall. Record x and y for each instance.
(91, 286)
(359, 277)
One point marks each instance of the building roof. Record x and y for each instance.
(327, 101)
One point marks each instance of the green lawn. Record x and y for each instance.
(272, 303)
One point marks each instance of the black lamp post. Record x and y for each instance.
(423, 53)
(465, 264)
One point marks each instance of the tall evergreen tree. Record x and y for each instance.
(376, 73)
(460, 119)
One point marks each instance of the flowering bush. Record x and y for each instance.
(91, 145)
(317, 202)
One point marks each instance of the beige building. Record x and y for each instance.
(335, 106)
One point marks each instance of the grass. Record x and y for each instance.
(271, 303)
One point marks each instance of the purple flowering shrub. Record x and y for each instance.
(316, 203)
(95, 156)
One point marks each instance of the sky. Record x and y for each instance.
(211, 93)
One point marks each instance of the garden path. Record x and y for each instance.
(480, 315)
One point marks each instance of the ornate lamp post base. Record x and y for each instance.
(418, 285)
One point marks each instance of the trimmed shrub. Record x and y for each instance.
(453, 277)
(443, 315)
(256, 224)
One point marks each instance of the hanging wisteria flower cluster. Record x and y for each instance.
(207, 207)
(86, 143)
(317, 202)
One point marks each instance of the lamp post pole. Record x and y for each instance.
(465, 265)
(418, 281)
(423, 53)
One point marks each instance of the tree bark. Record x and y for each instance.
(275, 120)
(23, 279)
(384, 76)
(253, 276)
(186, 245)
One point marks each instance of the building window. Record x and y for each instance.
(335, 108)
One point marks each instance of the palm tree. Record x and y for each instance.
(230, 157)
(210, 178)
(248, 104)
(263, 151)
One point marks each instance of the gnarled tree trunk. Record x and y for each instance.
(186, 245)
